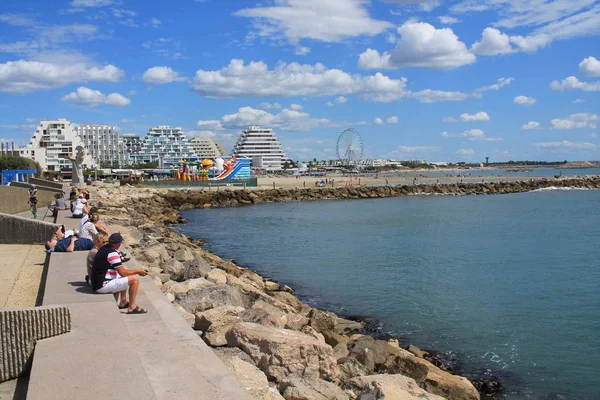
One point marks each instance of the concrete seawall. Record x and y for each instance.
(19, 230)
(13, 198)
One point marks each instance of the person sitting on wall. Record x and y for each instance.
(59, 203)
(69, 244)
(100, 239)
(110, 276)
(88, 230)
(80, 208)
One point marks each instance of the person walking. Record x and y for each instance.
(33, 200)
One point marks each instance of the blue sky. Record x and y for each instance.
(434, 79)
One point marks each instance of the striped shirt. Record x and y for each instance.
(104, 267)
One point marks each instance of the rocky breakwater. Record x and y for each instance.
(226, 198)
(276, 345)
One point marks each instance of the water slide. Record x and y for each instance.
(234, 169)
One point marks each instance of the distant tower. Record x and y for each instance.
(487, 160)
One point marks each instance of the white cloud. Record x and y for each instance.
(378, 121)
(434, 96)
(420, 45)
(132, 92)
(565, 145)
(324, 20)
(28, 76)
(329, 104)
(589, 67)
(92, 98)
(449, 119)
(165, 47)
(92, 3)
(465, 152)
(267, 105)
(524, 100)
(577, 101)
(531, 125)
(572, 83)
(480, 116)
(392, 120)
(549, 19)
(161, 75)
(296, 107)
(493, 42)
(531, 43)
(286, 120)
(575, 121)
(256, 80)
(472, 134)
(341, 100)
(155, 22)
(448, 20)
(500, 83)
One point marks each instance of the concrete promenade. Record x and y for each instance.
(20, 274)
(110, 354)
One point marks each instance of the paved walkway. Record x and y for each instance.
(20, 274)
(112, 355)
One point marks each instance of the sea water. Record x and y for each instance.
(507, 282)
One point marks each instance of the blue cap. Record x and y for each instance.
(115, 238)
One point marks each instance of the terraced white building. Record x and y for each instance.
(262, 146)
(165, 145)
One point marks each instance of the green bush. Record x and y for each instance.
(17, 162)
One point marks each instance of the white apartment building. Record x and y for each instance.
(207, 148)
(260, 143)
(103, 143)
(53, 143)
(132, 142)
(164, 145)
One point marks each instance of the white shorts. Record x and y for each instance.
(114, 285)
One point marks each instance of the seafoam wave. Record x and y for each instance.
(567, 188)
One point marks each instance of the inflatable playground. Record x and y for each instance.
(218, 169)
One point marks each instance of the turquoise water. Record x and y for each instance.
(509, 282)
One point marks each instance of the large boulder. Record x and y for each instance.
(381, 357)
(175, 269)
(183, 255)
(301, 388)
(217, 276)
(197, 268)
(296, 322)
(347, 327)
(252, 278)
(323, 321)
(390, 387)
(292, 301)
(350, 368)
(282, 352)
(216, 322)
(154, 254)
(452, 387)
(205, 298)
(253, 379)
(265, 314)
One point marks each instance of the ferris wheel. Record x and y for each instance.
(349, 147)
